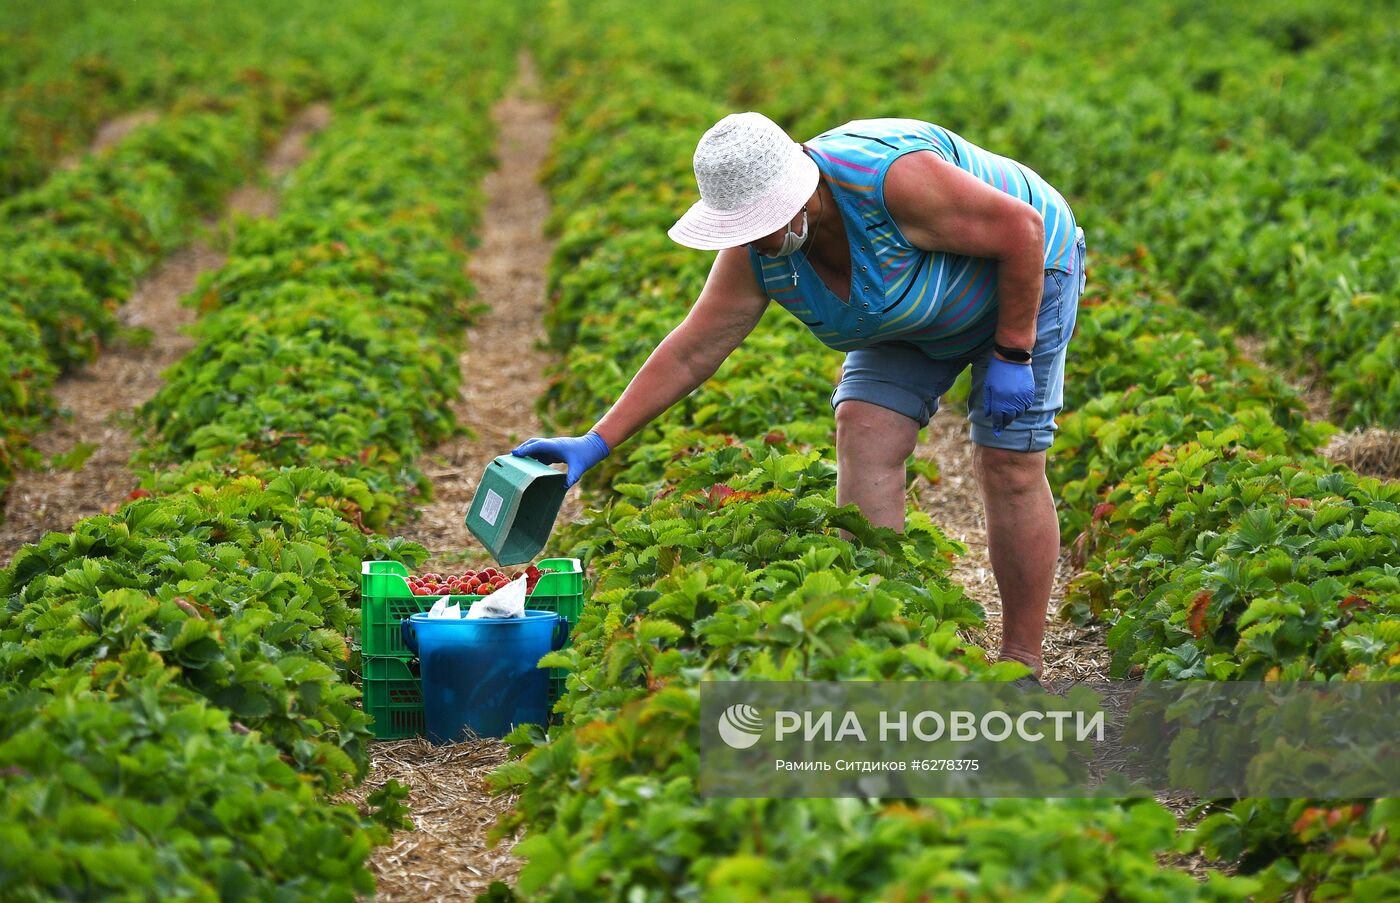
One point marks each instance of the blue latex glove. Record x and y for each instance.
(579, 452)
(1008, 390)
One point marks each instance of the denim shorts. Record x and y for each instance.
(898, 376)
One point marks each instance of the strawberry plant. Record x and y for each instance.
(77, 63)
(73, 246)
(155, 791)
(1235, 565)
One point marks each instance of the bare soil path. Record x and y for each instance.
(101, 395)
(503, 358)
(502, 365)
(111, 132)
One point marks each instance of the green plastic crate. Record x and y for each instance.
(385, 600)
(393, 696)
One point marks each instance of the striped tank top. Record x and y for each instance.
(945, 304)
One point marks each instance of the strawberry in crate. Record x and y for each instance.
(471, 583)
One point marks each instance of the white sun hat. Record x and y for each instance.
(753, 180)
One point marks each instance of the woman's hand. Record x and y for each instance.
(1008, 390)
(579, 452)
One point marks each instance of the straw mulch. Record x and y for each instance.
(446, 857)
(1374, 452)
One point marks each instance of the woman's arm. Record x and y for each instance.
(729, 306)
(939, 207)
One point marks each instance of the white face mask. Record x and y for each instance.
(791, 240)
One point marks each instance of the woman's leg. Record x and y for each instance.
(872, 445)
(1023, 542)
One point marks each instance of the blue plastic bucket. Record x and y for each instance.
(480, 674)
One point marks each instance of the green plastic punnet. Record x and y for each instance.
(515, 506)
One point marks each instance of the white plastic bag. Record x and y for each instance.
(506, 602)
(441, 609)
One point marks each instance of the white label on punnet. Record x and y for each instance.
(491, 508)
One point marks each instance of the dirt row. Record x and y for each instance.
(97, 400)
(111, 132)
(502, 366)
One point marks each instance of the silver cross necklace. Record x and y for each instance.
(813, 236)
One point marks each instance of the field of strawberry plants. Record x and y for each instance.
(179, 705)
(176, 705)
(73, 246)
(1213, 538)
(66, 67)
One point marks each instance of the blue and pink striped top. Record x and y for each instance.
(946, 304)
